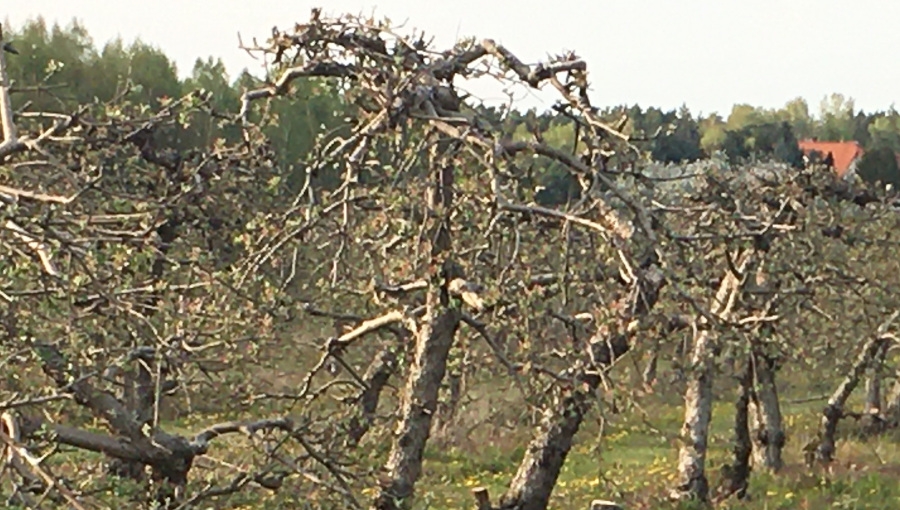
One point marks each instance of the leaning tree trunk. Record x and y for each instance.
(692, 482)
(767, 430)
(834, 411)
(533, 483)
(874, 406)
(531, 487)
(418, 406)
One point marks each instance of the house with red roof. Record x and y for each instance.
(841, 156)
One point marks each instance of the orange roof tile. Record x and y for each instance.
(843, 153)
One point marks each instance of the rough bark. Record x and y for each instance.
(765, 416)
(533, 483)
(692, 482)
(433, 342)
(375, 379)
(531, 487)
(418, 406)
(834, 410)
(738, 473)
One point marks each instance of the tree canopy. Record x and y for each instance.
(315, 271)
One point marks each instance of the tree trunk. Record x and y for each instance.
(738, 473)
(375, 379)
(834, 411)
(766, 424)
(533, 483)
(418, 406)
(692, 482)
(433, 342)
(139, 396)
(873, 382)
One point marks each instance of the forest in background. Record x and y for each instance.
(72, 69)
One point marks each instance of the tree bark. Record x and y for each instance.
(433, 342)
(531, 487)
(765, 415)
(375, 378)
(692, 482)
(533, 483)
(738, 473)
(834, 411)
(418, 406)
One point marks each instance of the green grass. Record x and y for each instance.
(634, 465)
(635, 459)
(632, 461)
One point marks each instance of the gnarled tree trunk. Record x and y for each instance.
(418, 406)
(834, 411)
(692, 482)
(533, 483)
(433, 342)
(738, 473)
(765, 415)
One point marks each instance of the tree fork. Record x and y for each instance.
(434, 339)
(692, 480)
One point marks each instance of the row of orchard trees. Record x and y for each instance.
(140, 266)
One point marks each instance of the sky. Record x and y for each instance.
(707, 54)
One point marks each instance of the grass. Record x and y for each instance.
(634, 465)
(632, 461)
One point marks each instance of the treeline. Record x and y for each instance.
(60, 67)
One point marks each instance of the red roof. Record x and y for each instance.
(843, 153)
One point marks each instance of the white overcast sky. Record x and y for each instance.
(708, 54)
